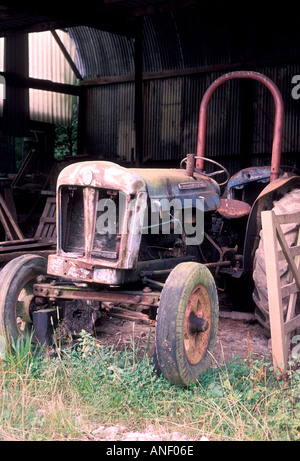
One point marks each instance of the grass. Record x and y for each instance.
(67, 396)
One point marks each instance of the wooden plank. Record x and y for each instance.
(288, 218)
(41, 224)
(197, 70)
(48, 220)
(40, 84)
(294, 251)
(11, 219)
(66, 55)
(292, 324)
(25, 167)
(8, 232)
(47, 225)
(289, 289)
(9, 200)
(18, 242)
(27, 246)
(278, 338)
(291, 310)
(285, 249)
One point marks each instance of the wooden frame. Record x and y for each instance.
(12, 230)
(281, 329)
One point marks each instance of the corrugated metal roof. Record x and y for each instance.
(189, 39)
(184, 40)
(102, 53)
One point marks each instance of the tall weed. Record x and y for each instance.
(66, 396)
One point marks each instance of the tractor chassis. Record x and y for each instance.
(128, 302)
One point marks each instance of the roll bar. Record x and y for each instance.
(278, 124)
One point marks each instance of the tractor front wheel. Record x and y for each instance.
(187, 323)
(16, 295)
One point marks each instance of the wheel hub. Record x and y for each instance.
(197, 323)
(24, 307)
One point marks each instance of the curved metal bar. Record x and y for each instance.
(278, 123)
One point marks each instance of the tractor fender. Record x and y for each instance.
(273, 191)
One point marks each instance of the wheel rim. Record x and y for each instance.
(23, 307)
(197, 324)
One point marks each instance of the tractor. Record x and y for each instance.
(150, 243)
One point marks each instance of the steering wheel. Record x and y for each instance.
(293, 168)
(214, 173)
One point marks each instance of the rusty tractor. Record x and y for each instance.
(148, 244)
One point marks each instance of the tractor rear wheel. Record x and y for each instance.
(289, 203)
(187, 323)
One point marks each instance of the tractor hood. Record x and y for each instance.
(101, 174)
(159, 183)
(174, 183)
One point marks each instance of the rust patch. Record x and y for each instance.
(230, 208)
(196, 339)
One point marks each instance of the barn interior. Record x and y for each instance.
(122, 80)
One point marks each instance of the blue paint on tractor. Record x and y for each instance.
(239, 180)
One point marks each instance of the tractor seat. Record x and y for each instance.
(231, 209)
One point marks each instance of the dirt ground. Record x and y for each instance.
(235, 337)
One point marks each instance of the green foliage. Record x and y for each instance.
(66, 138)
(23, 357)
(241, 400)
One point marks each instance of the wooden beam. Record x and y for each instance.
(278, 338)
(66, 54)
(292, 324)
(12, 222)
(39, 84)
(39, 26)
(197, 70)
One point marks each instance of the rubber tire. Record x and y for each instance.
(170, 357)
(13, 276)
(289, 203)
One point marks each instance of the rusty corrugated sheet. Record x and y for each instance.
(184, 41)
(46, 61)
(109, 122)
(102, 53)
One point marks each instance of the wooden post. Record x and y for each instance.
(278, 338)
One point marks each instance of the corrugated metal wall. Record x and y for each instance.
(109, 126)
(189, 42)
(47, 62)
